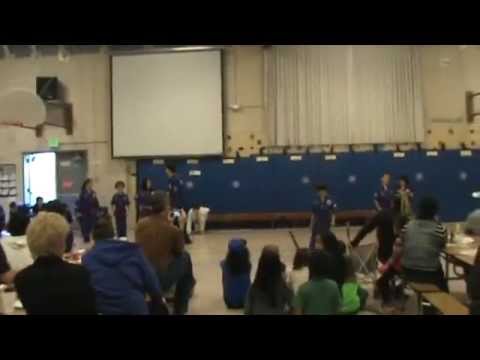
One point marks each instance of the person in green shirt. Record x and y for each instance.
(354, 297)
(319, 296)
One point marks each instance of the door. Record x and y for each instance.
(71, 173)
(39, 177)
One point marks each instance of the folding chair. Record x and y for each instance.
(365, 258)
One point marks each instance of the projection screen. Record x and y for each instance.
(167, 104)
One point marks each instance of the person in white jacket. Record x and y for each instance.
(197, 220)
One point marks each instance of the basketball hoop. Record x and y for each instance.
(22, 109)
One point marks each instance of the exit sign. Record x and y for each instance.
(54, 143)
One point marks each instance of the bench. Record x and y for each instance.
(289, 219)
(446, 303)
(420, 290)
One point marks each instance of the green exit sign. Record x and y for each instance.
(54, 143)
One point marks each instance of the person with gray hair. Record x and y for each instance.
(472, 228)
(52, 286)
(164, 246)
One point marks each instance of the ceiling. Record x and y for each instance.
(19, 51)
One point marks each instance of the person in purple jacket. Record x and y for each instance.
(87, 209)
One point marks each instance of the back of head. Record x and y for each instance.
(238, 257)
(46, 235)
(320, 264)
(159, 202)
(17, 226)
(269, 273)
(103, 229)
(331, 244)
(427, 208)
(472, 224)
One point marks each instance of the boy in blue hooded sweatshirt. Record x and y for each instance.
(121, 275)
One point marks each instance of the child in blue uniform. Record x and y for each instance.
(87, 209)
(323, 214)
(120, 204)
(383, 198)
(175, 189)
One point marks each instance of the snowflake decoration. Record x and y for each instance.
(352, 179)
(419, 177)
(463, 176)
(190, 185)
(305, 180)
(236, 184)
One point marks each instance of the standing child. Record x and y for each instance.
(323, 214)
(383, 198)
(87, 209)
(120, 204)
(38, 206)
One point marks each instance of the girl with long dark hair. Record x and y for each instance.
(87, 209)
(336, 249)
(269, 294)
(236, 270)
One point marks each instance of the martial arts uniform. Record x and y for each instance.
(323, 212)
(87, 209)
(121, 203)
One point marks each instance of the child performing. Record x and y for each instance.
(323, 214)
(120, 204)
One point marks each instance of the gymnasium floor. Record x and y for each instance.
(208, 250)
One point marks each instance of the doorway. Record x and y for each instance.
(39, 177)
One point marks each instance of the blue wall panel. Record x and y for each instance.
(283, 185)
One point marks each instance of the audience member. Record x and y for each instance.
(87, 209)
(15, 246)
(472, 228)
(423, 241)
(121, 275)
(164, 246)
(7, 275)
(51, 286)
(236, 271)
(60, 208)
(38, 206)
(3, 220)
(269, 293)
(354, 297)
(299, 275)
(319, 296)
(336, 249)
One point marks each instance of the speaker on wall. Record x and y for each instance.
(47, 88)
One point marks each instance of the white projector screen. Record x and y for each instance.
(167, 104)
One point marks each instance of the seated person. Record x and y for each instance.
(51, 286)
(38, 206)
(197, 219)
(236, 270)
(164, 246)
(423, 241)
(472, 228)
(319, 296)
(2, 220)
(299, 275)
(329, 243)
(60, 208)
(6, 274)
(15, 246)
(354, 297)
(121, 275)
(269, 293)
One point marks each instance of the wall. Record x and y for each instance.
(87, 78)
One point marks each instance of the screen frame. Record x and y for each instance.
(222, 101)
